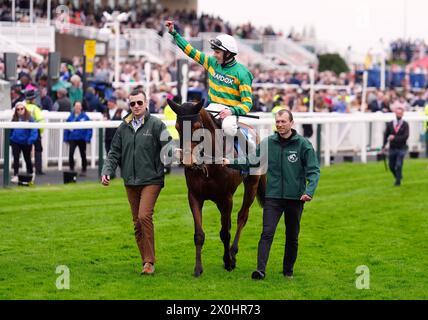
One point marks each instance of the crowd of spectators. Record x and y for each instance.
(277, 87)
(151, 15)
(272, 88)
(68, 89)
(333, 100)
(407, 50)
(145, 16)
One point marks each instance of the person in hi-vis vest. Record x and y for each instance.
(36, 114)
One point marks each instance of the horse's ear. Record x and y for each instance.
(199, 106)
(174, 106)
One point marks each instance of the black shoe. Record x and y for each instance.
(40, 173)
(397, 183)
(258, 275)
(288, 275)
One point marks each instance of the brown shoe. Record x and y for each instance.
(148, 268)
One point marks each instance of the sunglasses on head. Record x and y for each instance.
(217, 44)
(133, 103)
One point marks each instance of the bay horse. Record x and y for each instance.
(215, 182)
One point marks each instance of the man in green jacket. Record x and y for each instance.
(292, 177)
(136, 147)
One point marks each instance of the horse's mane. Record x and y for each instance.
(208, 120)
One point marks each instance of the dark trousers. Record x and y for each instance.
(396, 159)
(272, 212)
(38, 149)
(26, 152)
(426, 142)
(308, 130)
(142, 200)
(82, 149)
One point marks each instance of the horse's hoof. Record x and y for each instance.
(197, 273)
(229, 267)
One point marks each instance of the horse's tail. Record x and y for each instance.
(261, 191)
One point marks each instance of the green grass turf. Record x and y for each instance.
(357, 218)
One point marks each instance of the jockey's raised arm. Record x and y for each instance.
(229, 81)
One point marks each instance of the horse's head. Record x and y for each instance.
(188, 121)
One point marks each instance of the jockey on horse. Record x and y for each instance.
(229, 93)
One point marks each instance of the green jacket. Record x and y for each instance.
(138, 152)
(75, 94)
(292, 169)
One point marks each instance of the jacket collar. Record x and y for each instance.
(81, 114)
(128, 118)
(276, 136)
(229, 64)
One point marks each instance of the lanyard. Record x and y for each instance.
(397, 126)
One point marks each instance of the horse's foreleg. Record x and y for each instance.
(250, 192)
(225, 208)
(199, 236)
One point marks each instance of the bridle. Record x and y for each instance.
(193, 118)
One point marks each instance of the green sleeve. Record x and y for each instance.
(186, 47)
(245, 91)
(164, 137)
(312, 170)
(114, 155)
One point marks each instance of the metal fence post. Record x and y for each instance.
(319, 143)
(6, 165)
(426, 143)
(100, 151)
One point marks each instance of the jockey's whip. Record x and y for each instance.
(245, 115)
(383, 153)
(384, 161)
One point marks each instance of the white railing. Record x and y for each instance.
(146, 42)
(345, 133)
(32, 36)
(52, 140)
(288, 51)
(83, 31)
(54, 150)
(248, 56)
(355, 134)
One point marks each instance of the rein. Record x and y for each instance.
(203, 166)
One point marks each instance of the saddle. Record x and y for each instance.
(245, 140)
(245, 133)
